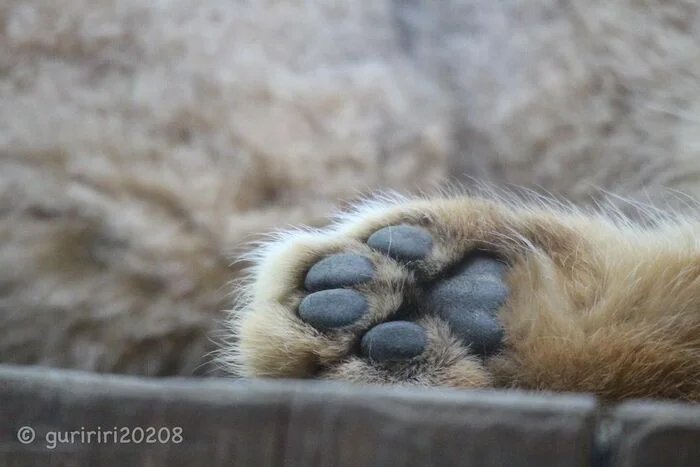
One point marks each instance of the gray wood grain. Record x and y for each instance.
(306, 423)
(657, 434)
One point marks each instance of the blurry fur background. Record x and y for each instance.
(142, 143)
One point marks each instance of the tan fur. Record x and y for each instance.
(143, 144)
(597, 306)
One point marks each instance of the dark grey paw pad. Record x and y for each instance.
(395, 340)
(340, 270)
(402, 242)
(335, 308)
(469, 301)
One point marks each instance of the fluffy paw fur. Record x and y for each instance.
(470, 292)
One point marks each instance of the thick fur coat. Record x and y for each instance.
(144, 144)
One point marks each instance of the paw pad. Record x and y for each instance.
(333, 308)
(402, 242)
(467, 297)
(469, 301)
(339, 270)
(395, 340)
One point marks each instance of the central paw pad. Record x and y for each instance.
(467, 297)
(469, 301)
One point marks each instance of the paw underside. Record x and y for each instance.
(467, 294)
(466, 297)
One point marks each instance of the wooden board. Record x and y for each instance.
(306, 423)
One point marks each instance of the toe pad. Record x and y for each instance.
(339, 270)
(335, 308)
(402, 242)
(395, 340)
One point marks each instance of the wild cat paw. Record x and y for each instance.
(410, 293)
(466, 298)
(462, 292)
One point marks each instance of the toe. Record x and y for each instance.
(402, 242)
(335, 308)
(395, 340)
(469, 301)
(339, 270)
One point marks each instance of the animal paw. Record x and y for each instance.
(468, 292)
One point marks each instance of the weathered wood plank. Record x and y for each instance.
(296, 423)
(656, 434)
(266, 423)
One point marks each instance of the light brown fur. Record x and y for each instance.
(142, 144)
(596, 305)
